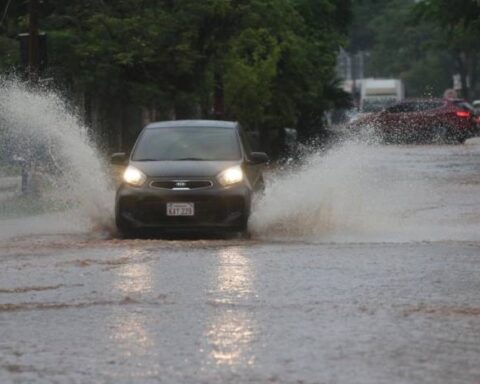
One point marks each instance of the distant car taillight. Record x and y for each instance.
(464, 114)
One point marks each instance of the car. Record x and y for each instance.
(189, 175)
(423, 120)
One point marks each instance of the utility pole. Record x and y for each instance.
(218, 90)
(33, 49)
(33, 69)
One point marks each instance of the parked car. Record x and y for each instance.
(423, 120)
(188, 175)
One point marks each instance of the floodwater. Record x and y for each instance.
(363, 268)
(390, 295)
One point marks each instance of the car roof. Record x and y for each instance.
(436, 100)
(424, 100)
(192, 123)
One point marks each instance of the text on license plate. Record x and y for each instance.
(180, 209)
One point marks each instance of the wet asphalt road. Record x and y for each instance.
(385, 309)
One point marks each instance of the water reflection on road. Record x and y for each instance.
(373, 303)
(232, 327)
(129, 329)
(134, 276)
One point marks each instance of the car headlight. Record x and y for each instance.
(134, 176)
(230, 176)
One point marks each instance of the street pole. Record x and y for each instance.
(33, 51)
(33, 73)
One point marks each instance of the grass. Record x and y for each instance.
(10, 170)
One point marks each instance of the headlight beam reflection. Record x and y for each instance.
(232, 329)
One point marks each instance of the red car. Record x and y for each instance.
(423, 120)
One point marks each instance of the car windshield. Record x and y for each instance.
(415, 106)
(376, 105)
(187, 143)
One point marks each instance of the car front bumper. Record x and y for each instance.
(215, 208)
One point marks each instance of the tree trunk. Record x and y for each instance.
(461, 60)
(473, 75)
(218, 92)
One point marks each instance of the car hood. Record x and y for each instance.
(184, 168)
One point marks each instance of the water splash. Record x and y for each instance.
(358, 191)
(371, 193)
(329, 194)
(39, 127)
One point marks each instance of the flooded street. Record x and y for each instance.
(240, 192)
(363, 268)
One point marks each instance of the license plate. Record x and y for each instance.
(180, 209)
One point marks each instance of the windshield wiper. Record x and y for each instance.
(189, 158)
(145, 160)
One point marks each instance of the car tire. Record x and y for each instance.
(245, 234)
(125, 230)
(243, 231)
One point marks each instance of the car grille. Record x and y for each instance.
(207, 210)
(181, 184)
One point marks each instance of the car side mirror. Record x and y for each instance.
(119, 158)
(259, 158)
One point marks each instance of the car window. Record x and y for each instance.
(414, 106)
(399, 108)
(464, 105)
(376, 105)
(428, 105)
(187, 143)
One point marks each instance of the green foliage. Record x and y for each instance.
(430, 76)
(422, 42)
(362, 33)
(405, 49)
(251, 67)
(272, 60)
(10, 55)
(457, 26)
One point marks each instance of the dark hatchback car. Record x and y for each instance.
(423, 120)
(188, 175)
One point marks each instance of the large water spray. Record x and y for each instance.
(355, 192)
(360, 192)
(39, 127)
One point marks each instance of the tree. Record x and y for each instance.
(457, 26)
(399, 44)
(267, 63)
(409, 55)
